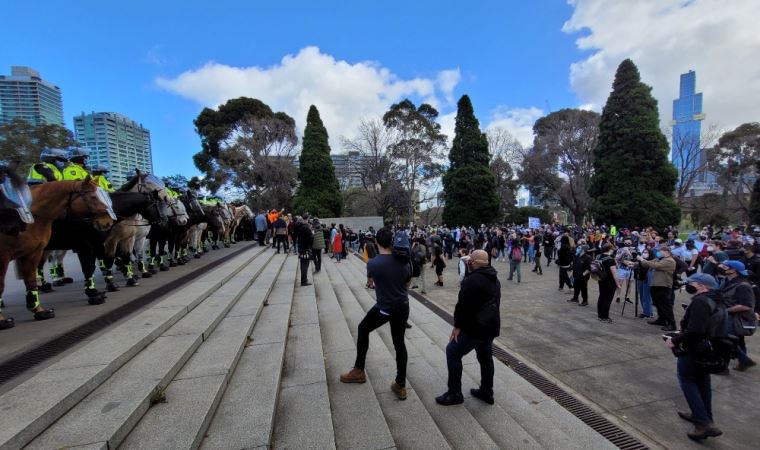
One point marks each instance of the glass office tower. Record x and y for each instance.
(25, 95)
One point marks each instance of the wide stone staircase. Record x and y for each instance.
(245, 358)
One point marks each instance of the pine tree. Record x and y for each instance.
(318, 193)
(469, 185)
(633, 181)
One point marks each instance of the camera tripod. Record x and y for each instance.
(632, 276)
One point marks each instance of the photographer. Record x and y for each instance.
(692, 377)
(392, 278)
(662, 286)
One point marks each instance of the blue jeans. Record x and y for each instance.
(456, 350)
(695, 384)
(338, 256)
(514, 267)
(645, 296)
(741, 345)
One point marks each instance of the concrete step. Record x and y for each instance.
(255, 381)
(45, 397)
(114, 408)
(302, 415)
(356, 414)
(456, 423)
(409, 422)
(191, 398)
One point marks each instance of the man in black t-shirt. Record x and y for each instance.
(391, 278)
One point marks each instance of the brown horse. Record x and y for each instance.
(72, 200)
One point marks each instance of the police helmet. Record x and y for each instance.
(78, 153)
(99, 170)
(53, 155)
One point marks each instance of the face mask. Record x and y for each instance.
(577, 251)
(656, 254)
(720, 271)
(710, 249)
(691, 290)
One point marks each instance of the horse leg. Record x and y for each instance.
(5, 322)
(125, 248)
(59, 255)
(44, 285)
(27, 266)
(86, 255)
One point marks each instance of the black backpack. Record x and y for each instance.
(714, 353)
(597, 267)
(402, 248)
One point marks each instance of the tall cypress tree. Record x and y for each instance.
(469, 186)
(318, 192)
(633, 181)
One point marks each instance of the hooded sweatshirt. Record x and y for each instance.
(478, 289)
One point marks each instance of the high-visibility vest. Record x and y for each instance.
(172, 193)
(104, 183)
(36, 177)
(613, 231)
(75, 172)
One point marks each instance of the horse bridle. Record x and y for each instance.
(73, 195)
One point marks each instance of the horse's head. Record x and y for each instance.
(92, 203)
(190, 199)
(178, 212)
(157, 211)
(15, 201)
(214, 217)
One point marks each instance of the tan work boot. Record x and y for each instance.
(353, 376)
(399, 390)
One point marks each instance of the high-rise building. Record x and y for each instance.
(115, 142)
(25, 95)
(348, 169)
(687, 125)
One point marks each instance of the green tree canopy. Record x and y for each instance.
(520, 215)
(733, 161)
(633, 181)
(249, 147)
(318, 192)
(23, 142)
(469, 185)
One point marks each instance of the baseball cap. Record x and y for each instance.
(737, 266)
(703, 278)
(678, 242)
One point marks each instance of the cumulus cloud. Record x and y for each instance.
(343, 92)
(665, 38)
(518, 121)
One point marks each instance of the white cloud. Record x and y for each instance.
(664, 38)
(343, 92)
(518, 121)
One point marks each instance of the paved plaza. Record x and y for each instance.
(622, 368)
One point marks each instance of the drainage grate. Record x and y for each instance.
(30, 358)
(596, 422)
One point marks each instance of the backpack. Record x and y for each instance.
(402, 248)
(418, 260)
(597, 267)
(714, 353)
(743, 324)
(516, 253)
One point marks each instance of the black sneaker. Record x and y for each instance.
(572, 300)
(481, 396)
(656, 322)
(608, 320)
(583, 304)
(668, 328)
(449, 399)
(306, 284)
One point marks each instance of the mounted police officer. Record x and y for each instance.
(99, 174)
(48, 169)
(76, 170)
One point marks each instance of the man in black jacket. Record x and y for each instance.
(581, 274)
(476, 324)
(305, 241)
(693, 378)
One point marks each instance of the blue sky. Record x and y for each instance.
(160, 62)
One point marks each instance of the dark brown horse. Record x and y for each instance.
(73, 200)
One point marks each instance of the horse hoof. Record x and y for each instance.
(153, 271)
(68, 280)
(214, 247)
(197, 256)
(44, 314)
(99, 300)
(132, 282)
(7, 323)
(46, 287)
(172, 263)
(58, 283)
(181, 262)
(112, 287)
(164, 269)
(146, 275)
(226, 245)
